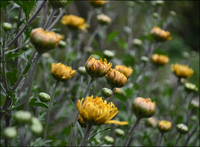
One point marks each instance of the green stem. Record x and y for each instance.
(126, 143)
(86, 135)
(56, 20)
(29, 22)
(50, 18)
(161, 138)
(177, 140)
(191, 134)
(49, 110)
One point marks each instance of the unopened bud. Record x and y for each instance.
(58, 3)
(82, 70)
(44, 97)
(108, 54)
(151, 122)
(10, 133)
(155, 15)
(22, 117)
(144, 59)
(191, 87)
(181, 128)
(137, 42)
(7, 26)
(36, 126)
(109, 139)
(62, 44)
(172, 13)
(119, 132)
(195, 103)
(106, 92)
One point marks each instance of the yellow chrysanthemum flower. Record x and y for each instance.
(97, 111)
(182, 71)
(159, 59)
(164, 126)
(160, 34)
(61, 72)
(97, 3)
(74, 22)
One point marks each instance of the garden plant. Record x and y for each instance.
(99, 73)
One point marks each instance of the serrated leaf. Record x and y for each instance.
(27, 6)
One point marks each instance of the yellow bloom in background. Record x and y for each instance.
(160, 34)
(116, 78)
(127, 71)
(97, 3)
(97, 68)
(74, 22)
(97, 112)
(61, 72)
(182, 71)
(44, 41)
(103, 19)
(164, 126)
(159, 59)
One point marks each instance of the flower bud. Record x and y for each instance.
(23, 117)
(155, 15)
(190, 87)
(36, 126)
(119, 132)
(195, 103)
(44, 40)
(119, 91)
(164, 126)
(143, 107)
(58, 3)
(109, 139)
(160, 35)
(97, 3)
(127, 71)
(81, 121)
(186, 55)
(103, 19)
(116, 78)
(172, 13)
(183, 81)
(7, 26)
(106, 92)
(97, 68)
(61, 72)
(137, 42)
(151, 122)
(44, 97)
(82, 70)
(159, 59)
(144, 59)
(182, 129)
(10, 133)
(62, 44)
(108, 54)
(181, 71)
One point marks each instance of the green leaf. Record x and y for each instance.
(112, 35)
(27, 6)
(98, 133)
(123, 44)
(40, 142)
(12, 55)
(34, 102)
(4, 3)
(12, 76)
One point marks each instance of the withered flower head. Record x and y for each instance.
(182, 71)
(97, 68)
(74, 22)
(159, 59)
(160, 34)
(103, 19)
(44, 40)
(127, 71)
(164, 126)
(97, 112)
(97, 3)
(116, 78)
(143, 107)
(61, 72)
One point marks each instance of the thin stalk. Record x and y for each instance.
(56, 20)
(191, 134)
(161, 138)
(77, 114)
(50, 18)
(49, 110)
(26, 25)
(86, 135)
(179, 136)
(126, 143)
(33, 69)
(4, 64)
(174, 93)
(69, 47)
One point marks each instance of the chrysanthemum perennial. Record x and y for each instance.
(159, 59)
(181, 71)
(160, 35)
(97, 112)
(127, 71)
